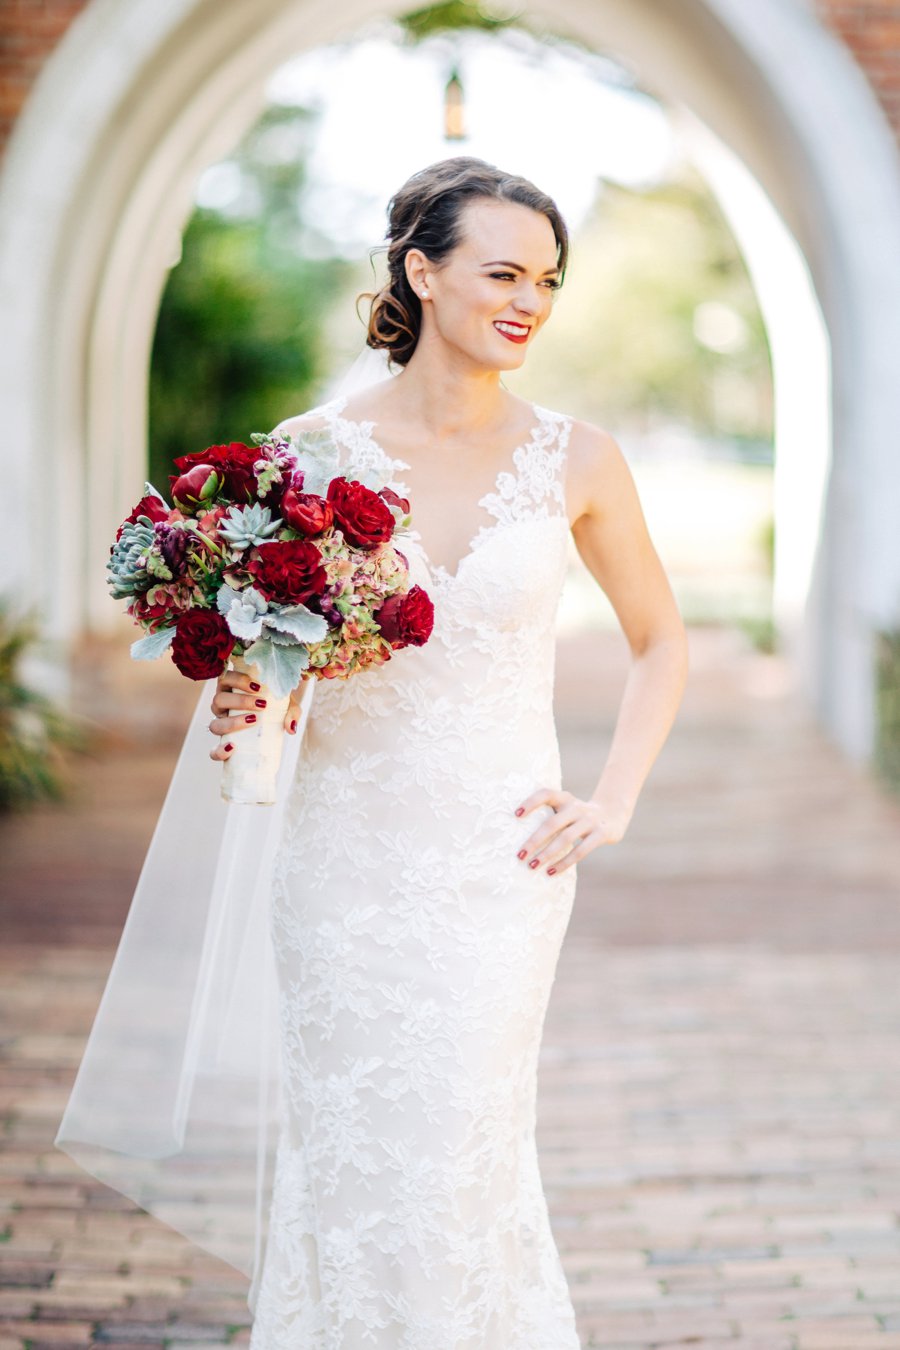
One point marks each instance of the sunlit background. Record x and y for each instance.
(657, 334)
(192, 198)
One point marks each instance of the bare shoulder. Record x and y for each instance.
(598, 471)
(311, 420)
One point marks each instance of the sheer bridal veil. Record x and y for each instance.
(177, 1099)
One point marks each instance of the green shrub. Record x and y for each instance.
(887, 742)
(33, 731)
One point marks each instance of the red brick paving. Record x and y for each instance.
(719, 1117)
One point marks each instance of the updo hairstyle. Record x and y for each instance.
(425, 213)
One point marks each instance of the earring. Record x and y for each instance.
(424, 293)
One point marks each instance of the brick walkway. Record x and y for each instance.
(719, 1115)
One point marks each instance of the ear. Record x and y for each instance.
(417, 273)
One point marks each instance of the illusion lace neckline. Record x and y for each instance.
(439, 571)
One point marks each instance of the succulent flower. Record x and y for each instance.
(242, 610)
(127, 565)
(247, 525)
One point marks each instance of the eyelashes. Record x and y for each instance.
(503, 276)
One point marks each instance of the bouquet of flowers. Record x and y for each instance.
(272, 559)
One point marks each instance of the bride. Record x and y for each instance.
(427, 864)
(316, 1052)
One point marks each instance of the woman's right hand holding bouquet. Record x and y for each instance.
(274, 559)
(234, 689)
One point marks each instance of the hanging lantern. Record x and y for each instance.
(454, 128)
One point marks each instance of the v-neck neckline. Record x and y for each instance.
(438, 571)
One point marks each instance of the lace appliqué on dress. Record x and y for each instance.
(416, 956)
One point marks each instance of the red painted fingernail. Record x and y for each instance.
(260, 703)
(254, 685)
(294, 725)
(521, 853)
(519, 810)
(534, 862)
(551, 871)
(229, 746)
(251, 717)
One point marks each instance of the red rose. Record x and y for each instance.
(363, 516)
(197, 487)
(305, 512)
(202, 644)
(289, 571)
(406, 619)
(151, 506)
(234, 462)
(391, 497)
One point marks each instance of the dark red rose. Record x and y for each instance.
(234, 463)
(305, 512)
(154, 508)
(390, 496)
(406, 620)
(202, 644)
(364, 518)
(197, 487)
(288, 571)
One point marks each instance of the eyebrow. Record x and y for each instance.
(518, 266)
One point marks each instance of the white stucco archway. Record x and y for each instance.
(142, 94)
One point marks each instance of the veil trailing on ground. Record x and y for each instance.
(177, 1100)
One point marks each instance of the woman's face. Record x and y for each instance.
(503, 272)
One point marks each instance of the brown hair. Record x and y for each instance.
(425, 213)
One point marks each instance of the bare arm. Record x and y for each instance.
(611, 536)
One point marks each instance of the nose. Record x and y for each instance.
(527, 299)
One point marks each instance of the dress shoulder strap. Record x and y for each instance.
(542, 462)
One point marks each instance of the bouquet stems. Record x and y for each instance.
(250, 772)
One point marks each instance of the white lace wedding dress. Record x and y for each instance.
(416, 954)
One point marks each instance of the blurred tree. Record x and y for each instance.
(238, 341)
(450, 16)
(661, 318)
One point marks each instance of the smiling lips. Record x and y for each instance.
(516, 332)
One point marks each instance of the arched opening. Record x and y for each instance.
(134, 105)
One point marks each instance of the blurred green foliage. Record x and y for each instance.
(887, 736)
(449, 17)
(33, 731)
(658, 319)
(238, 341)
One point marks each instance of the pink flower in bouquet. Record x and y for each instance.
(208, 523)
(363, 516)
(202, 644)
(305, 512)
(406, 619)
(288, 571)
(156, 607)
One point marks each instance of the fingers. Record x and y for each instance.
(554, 797)
(571, 846)
(292, 717)
(234, 689)
(564, 815)
(568, 846)
(223, 703)
(572, 830)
